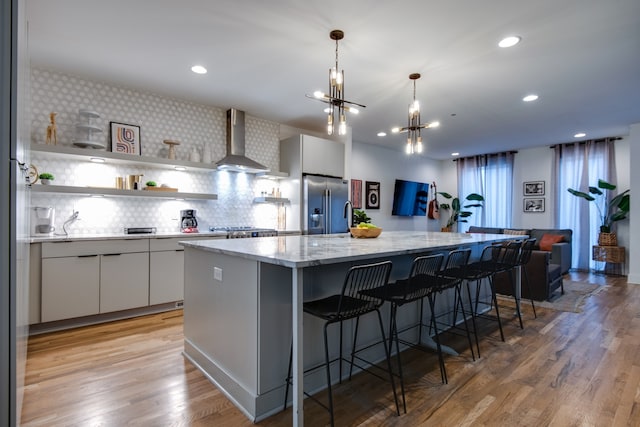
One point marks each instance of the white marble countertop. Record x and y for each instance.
(122, 236)
(309, 250)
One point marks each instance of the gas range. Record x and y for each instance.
(245, 232)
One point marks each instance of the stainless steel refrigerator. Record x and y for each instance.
(323, 204)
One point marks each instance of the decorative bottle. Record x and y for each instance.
(206, 154)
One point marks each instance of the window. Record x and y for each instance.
(579, 166)
(492, 177)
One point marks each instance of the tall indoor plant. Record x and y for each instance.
(457, 214)
(610, 211)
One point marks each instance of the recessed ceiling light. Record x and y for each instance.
(395, 130)
(579, 135)
(530, 98)
(509, 41)
(455, 154)
(382, 134)
(434, 124)
(199, 69)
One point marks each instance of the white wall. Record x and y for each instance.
(374, 163)
(534, 164)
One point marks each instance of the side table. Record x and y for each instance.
(612, 256)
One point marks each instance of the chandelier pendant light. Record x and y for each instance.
(414, 127)
(335, 97)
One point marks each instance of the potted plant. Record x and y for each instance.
(46, 178)
(151, 184)
(360, 216)
(457, 214)
(610, 211)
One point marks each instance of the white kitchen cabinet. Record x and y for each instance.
(166, 271)
(70, 287)
(124, 281)
(82, 278)
(305, 154)
(166, 278)
(75, 278)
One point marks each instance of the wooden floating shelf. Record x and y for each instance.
(114, 192)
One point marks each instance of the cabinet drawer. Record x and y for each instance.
(93, 247)
(173, 243)
(165, 244)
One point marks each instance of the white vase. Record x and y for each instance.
(206, 154)
(45, 181)
(194, 156)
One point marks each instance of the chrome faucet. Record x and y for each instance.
(348, 205)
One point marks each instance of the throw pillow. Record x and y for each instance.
(515, 232)
(548, 240)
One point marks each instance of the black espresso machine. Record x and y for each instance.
(188, 221)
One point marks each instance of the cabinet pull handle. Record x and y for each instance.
(179, 250)
(86, 256)
(111, 254)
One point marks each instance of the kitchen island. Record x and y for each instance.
(243, 305)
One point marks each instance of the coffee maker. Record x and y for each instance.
(42, 221)
(188, 221)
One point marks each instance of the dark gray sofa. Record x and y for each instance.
(544, 269)
(560, 252)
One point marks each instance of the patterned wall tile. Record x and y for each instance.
(160, 118)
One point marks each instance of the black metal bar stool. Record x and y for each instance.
(351, 303)
(425, 281)
(455, 270)
(497, 259)
(523, 259)
(405, 291)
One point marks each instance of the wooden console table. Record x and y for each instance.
(612, 256)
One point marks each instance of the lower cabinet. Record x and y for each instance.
(124, 281)
(70, 287)
(166, 276)
(89, 277)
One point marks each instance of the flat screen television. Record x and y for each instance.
(410, 198)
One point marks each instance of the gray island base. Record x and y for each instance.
(243, 306)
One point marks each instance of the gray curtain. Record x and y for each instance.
(490, 175)
(578, 166)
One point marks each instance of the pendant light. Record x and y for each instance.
(414, 127)
(335, 97)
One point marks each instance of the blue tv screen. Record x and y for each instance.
(410, 198)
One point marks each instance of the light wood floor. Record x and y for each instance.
(563, 369)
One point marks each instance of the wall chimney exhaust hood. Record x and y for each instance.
(235, 160)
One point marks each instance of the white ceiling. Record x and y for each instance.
(582, 57)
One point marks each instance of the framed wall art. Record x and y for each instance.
(356, 193)
(534, 205)
(372, 195)
(533, 188)
(125, 138)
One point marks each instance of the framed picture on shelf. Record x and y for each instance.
(356, 193)
(372, 195)
(534, 188)
(125, 138)
(534, 204)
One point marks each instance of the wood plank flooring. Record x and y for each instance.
(563, 369)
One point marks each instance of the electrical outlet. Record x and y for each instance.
(217, 274)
